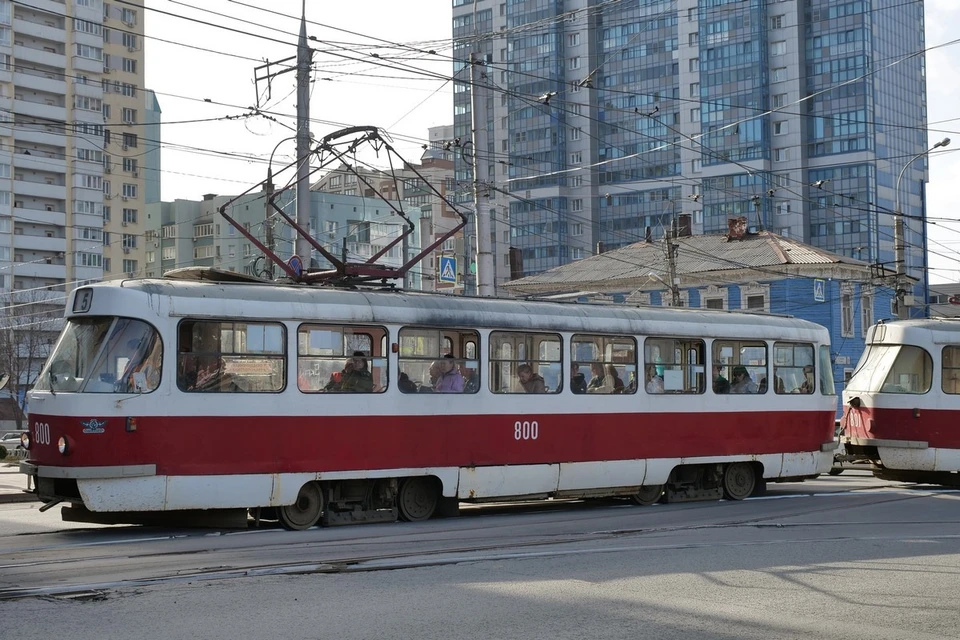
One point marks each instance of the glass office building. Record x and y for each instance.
(606, 121)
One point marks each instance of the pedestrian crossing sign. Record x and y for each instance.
(818, 290)
(448, 269)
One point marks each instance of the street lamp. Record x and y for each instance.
(899, 240)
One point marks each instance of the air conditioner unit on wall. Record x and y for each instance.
(124, 198)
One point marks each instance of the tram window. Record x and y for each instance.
(950, 371)
(231, 357)
(742, 363)
(674, 365)
(341, 359)
(438, 361)
(827, 387)
(104, 355)
(608, 364)
(911, 372)
(793, 368)
(525, 362)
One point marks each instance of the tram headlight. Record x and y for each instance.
(25, 440)
(63, 445)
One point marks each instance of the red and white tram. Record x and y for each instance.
(330, 405)
(901, 410)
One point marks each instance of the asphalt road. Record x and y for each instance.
(845, 557)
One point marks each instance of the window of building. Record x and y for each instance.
(231, 357)
(576, 205)
(576, 157)
(341, 359)
(130, 190)
(522, 362)
(128, 116)
(130, 267)
(696, 165)
(755, 303)
(776, 22)
(129, 40)
(694, 65)
(781, 128)
(130, 140)
(779, 74)
(778, 48)
(573, 40)
(168, 253)
(128, 16)
(576, 229)
(129, 65)
(779, 100)
(866, 308)
(846, 315)
(781, 207)
(130, 216)
(128, 241)
(781, 155)
(574, 133)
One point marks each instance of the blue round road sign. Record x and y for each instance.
(296, 264)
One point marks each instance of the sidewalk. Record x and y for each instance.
(12, 484)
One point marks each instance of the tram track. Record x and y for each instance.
(224, 563)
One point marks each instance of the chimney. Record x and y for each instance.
(600, 248)
(736, 228)
(648, 235)
(683, 225)
(209, 196)
(516, 263)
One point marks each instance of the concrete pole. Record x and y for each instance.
(484, 256)
(304, 56)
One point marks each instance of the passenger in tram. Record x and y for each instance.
(187, 378)
(471, 381)
(654, 382)
(405, 384)
(530, 381)
(808, 382)
(359, 379)
(742, 382)
(436, 368)
(337, 377)
(578, 382)
(596, 379)
(720, 384)
(450, 380)
(612, 380)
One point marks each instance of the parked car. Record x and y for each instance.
(11, 440)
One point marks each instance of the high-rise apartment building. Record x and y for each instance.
(70, 78)
(606, 121)
(125, 144)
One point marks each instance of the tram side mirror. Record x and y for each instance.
(855, 402)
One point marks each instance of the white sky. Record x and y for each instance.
(405, 106)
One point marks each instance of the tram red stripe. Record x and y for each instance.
(937, 427)
(265, 444)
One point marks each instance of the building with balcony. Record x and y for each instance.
(607, 121)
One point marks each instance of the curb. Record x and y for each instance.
(10, 498)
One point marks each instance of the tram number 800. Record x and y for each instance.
(41, 433)
(526, 430)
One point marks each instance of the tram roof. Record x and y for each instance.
(298, 302)
(919, 330)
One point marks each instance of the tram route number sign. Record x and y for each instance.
(448, 269)
(819, 290)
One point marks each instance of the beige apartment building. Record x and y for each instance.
(71, 192)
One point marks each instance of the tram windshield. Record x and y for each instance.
(103, 355)
(893, 369)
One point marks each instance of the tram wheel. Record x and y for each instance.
(647, 494)
(306, 511)
(739, 480)
(417, 498)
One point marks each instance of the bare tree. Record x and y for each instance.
(29, 323)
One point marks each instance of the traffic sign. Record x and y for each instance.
(448, 269)
(819, 290)
(296, 264)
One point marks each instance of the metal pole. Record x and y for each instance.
(304, 55)
(899, 237)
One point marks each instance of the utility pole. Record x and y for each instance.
(484, 256)
(304, 57)
(267, 222)
(673, 280)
